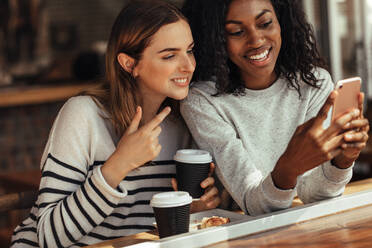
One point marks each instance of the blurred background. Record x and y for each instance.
(50, 50)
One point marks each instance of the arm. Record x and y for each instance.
(76, 194)
(326, 180)
(254, 193)
(73, 197)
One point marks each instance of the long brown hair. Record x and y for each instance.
(131, 33)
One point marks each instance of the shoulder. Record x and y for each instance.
(325, 80)
(79, 112)
(200, 90)
(315, 97)
(324, 85)
(80, 106)
(80, 103)
(322, 73)
(203, 87)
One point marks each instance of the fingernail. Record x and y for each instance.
(347, 125)
(356, 112)
(348, 136)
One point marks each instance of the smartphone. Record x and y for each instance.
(348, 94)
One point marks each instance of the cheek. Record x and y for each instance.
(193, 61)
(233, 47)
(277, 35)
(154, 71)
(278, 41)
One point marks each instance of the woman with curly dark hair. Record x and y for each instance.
(259, 103)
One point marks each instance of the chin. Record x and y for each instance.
(179, 97)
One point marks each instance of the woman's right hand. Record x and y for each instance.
(136, 147)
(311, 145)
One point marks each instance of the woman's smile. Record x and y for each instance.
(181, 81)
(259, 58)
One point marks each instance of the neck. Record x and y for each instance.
(257, 82)
(150, 107)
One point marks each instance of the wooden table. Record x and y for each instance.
(350, 228)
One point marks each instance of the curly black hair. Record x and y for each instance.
(298, 55)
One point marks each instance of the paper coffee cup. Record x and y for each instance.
(172, 212)
(192, 167)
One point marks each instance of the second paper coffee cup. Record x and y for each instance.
(192, 167)
(172, 212)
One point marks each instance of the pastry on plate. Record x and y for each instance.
(213, 221)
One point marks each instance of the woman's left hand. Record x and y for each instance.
(355, 138)
(210, 199)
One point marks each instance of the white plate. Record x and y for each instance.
(196, 218)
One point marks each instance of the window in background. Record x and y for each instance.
(343, 30)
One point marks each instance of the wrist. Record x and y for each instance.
(342, 162)
(114, 170)
(283, 175)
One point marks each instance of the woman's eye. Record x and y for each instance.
(266, 24)
(191, 51)
(168, 57)
(236, 33)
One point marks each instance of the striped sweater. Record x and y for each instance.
(75, 206)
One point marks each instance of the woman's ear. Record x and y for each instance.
(126, 62)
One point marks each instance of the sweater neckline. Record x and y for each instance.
(273, 89)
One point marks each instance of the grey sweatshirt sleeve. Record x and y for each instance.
(326, 180)
(253, 192)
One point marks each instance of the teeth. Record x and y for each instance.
(180, 81)
(259, 56)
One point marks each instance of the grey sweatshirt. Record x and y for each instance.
(247, 135)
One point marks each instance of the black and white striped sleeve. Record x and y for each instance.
(72, 199)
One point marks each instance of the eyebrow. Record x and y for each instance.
(170, 49)
(257, 17)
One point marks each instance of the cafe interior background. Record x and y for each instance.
(52, 49)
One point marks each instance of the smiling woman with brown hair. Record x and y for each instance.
(96, 180)
(259, 103)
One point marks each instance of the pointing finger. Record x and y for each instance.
(158, 118)
(135, 121)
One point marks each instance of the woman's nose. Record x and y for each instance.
(255, 38)
(188, 63)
